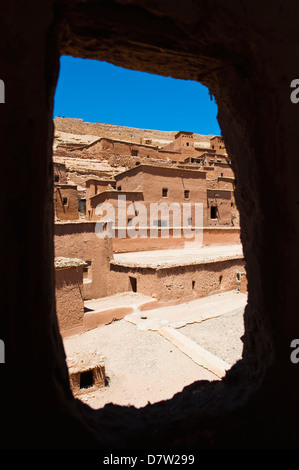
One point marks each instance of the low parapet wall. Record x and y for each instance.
(211, 236)
(221, 235)
(173, 283)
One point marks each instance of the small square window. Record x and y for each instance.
(186, 194)
(164, 192)
(86, 379)
(64, 201)
(213, 212)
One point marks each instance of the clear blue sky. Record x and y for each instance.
(100, 92)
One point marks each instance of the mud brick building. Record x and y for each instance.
(65, 202)
(69, 294)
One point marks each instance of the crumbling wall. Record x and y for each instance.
(129, 134)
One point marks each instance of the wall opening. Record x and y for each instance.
(214, 212)
(86, 379)
(133, 283)
(157, 282)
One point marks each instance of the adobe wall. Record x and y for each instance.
(79, 240)
(211, 278)
(130, 181)
(104, 148)
(245, 55)
(94, 186)
(210, 236)
(130, 134)
(221, 169)
(59, 171)
(69, 297)
(123, 245)
(222, 200)
(180, 282)
(66, 210)
(112, 198)
(221, 235)
(151, 180)
(176, 181)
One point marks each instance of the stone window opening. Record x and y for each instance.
(133, 283)
(86, 379)
(87, 272)
(164, 192)
(213, 212)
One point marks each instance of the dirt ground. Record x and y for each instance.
(143, 367)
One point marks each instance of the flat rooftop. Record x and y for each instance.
(159, 259)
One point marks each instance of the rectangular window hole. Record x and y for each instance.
(86, 379)
(133, 283)
(213, 212)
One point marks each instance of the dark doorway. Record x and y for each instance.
(86, 379)
(133, 283)
(213, 212)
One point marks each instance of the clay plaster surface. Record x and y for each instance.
(195, 311)
(178, 257)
